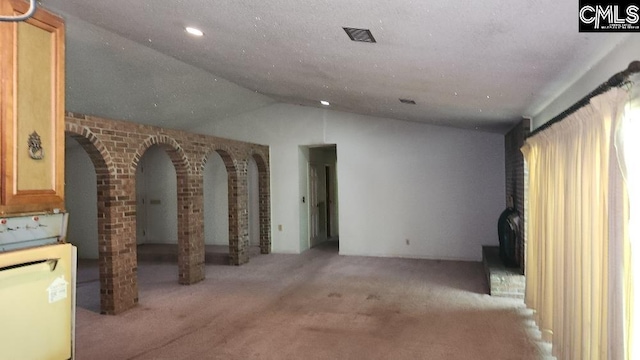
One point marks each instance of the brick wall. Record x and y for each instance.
(514, 171)
(115, 148)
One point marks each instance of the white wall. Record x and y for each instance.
(617, 60)
(302, 201)
(441, 188)
(216, 202)
(156, 184)
(81, 198)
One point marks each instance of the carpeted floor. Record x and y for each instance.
(317, 305)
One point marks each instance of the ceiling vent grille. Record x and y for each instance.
(407, 101)
(362, 35)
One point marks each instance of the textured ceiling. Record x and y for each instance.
(469, 64)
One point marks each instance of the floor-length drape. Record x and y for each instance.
(628, 148)
(569, 259)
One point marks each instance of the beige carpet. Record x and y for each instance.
(317, 305)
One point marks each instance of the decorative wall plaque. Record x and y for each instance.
(36, 151)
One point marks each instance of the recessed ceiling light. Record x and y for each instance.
(324, 102)
(193, 31)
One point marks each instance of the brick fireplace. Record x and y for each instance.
(502, 280)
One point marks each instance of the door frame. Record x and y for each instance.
(327, 180)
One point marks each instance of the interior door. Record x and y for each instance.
(314, 213)
(329, 198)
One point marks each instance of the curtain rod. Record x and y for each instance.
(615, 81)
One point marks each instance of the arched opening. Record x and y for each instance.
(189, 249)
(216, 210)
(237, 252)
(156, 209)
(87, 197)
(80, 200)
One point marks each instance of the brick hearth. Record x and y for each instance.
(503, 281)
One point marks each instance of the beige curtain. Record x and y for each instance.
(628, 148)
(573, 174)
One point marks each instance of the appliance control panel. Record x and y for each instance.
(17, 232)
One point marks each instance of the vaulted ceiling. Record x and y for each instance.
(468, 64)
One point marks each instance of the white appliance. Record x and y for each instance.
(37, 288)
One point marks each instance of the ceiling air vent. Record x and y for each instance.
(407, 101)
(362, 35)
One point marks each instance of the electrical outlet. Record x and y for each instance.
(407, 241)
(280, 227)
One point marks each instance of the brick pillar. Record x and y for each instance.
(265, 208)
(190, 228)
(243, 210)
(238, 214)
(117, 228)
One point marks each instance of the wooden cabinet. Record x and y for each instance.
(31, 111)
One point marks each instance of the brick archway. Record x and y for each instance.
(113, 276)
(190, 251)
(171, 146)
(238, 219)
(126, 142)
(264, 201)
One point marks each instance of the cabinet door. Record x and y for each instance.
(36, 302)
(32, 112)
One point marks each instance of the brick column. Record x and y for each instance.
(264, 201)
(118, 264)
(190, 229)
(238, 214)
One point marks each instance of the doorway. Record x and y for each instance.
(321, 190)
